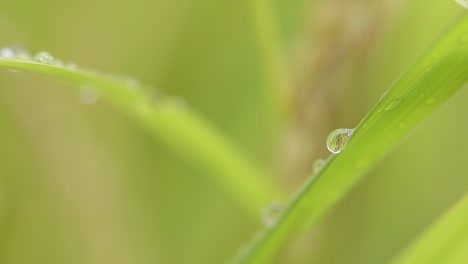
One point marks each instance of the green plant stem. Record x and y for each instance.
(444, 242)
(179, 128)
(435, 76)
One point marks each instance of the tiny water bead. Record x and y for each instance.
(337, 139)
(271, 213)
(7, 53)
(44, 57)
(318, 165)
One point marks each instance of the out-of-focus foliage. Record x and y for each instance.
(85, 184)
(444, 242)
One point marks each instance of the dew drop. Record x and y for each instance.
(7, 53)
(318, 165)
(44, 57)
(15, 52)
(89, 95)
(337, 139)
(271, 213)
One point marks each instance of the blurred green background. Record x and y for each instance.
(86, 184)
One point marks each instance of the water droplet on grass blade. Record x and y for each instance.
(44, 57)
(89, 95)
(318, 165)
(271, 213)
(337, 139)
(7, 53)
(15, 52)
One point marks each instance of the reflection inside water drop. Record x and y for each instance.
(337, 139)
(15, 52)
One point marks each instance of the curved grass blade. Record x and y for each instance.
(440, 72)
(444, 242)
(180, 129)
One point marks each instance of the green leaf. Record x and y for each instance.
(180, 128)
(440, 72)
(444, 242)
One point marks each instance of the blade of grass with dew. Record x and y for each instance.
(446, 241)
(439, 73)
(179, 128)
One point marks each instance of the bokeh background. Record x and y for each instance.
(86, 184)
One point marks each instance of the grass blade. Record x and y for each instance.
(440, 72)
(182, 130)
(445, 242)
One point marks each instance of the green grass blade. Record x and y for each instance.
(445, 242)
(440, 72)
(182, 130)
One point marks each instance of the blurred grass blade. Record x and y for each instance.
(445, 242)
(270, 51)
(182, 130)
(435, 76)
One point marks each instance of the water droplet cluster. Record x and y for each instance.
(15, 52)
(89, 94)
